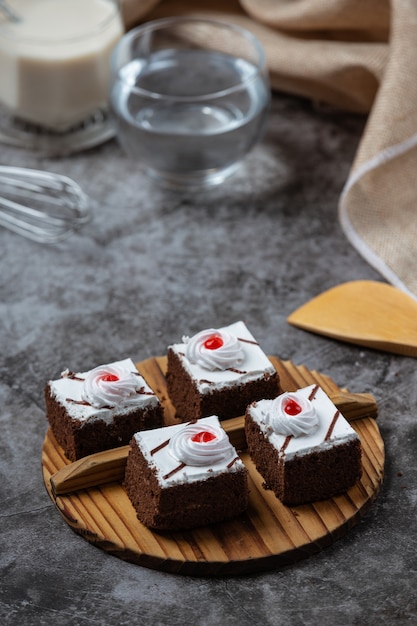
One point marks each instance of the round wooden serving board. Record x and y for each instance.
(267, 536)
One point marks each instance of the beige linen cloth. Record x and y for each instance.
(359, 56)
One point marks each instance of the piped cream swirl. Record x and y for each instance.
(109, 386)
(292, 414)
(188, 445)
(229, 354)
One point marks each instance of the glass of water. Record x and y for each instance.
(190, 98)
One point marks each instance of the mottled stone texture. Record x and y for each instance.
(154, 265)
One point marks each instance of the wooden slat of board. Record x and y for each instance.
(205, 545)
(280, 526)
(268, 535)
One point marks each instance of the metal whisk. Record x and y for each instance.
(8, 11)
(42, 206)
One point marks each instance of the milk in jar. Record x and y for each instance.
(54, 63)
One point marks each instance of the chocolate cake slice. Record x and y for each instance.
(219, 371)
(302, 446)
(185, 475)
(100, 409)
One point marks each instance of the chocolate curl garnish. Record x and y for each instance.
(81, 402)
(72, 376)
(232, 462)
(160, 447)
(335, 416)
(174, 471)
(313, 392)
(255, 343)
(285, 444)
(142, 392)
(332, 425)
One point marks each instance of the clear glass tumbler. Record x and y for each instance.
(190, 97)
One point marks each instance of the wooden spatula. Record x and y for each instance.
(363, 312)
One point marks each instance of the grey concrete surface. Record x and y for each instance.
(155, 264)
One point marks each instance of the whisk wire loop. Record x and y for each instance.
(43, 206)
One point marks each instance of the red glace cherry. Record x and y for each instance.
(292, 407)
(110, 378)
(213, 343)
(203, 437)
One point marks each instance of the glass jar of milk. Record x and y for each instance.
(54, 61)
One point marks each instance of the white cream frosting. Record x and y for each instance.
(70, 391)
(110, 385)
(254, 365)
(332, 428)
(201, 444)
(169, 469)
(228, 351)
(292, 414)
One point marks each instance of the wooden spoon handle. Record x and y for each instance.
(108, 466)
(90, 471)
